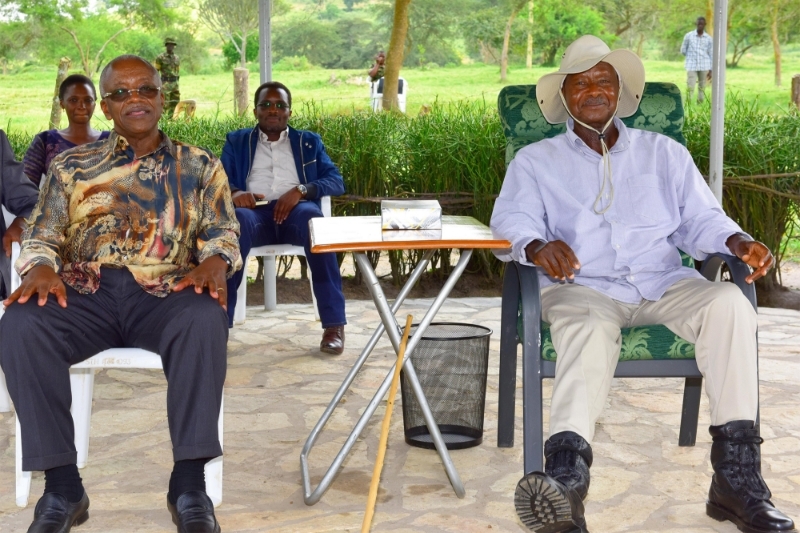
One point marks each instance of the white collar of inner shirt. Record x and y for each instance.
(262, 137)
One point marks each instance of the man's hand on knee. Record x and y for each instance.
(41, 280)
(210, 273)
(555, 257)
(754, 253)
(246, 199)
(285, 205)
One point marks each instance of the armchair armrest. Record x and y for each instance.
(531, 304)
(738, 269)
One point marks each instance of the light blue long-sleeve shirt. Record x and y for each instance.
(699, 51)
(660, 203)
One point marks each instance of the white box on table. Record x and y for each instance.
(411, 214)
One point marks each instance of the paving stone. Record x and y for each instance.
(278, 385)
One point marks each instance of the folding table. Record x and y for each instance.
(361, 235)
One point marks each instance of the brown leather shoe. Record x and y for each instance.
(332, 340)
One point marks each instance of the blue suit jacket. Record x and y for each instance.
(314, 167)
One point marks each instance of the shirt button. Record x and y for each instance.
(633, 278)
(616, 246)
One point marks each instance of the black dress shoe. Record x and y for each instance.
(54, 514)
(332, 340)
(194, 513)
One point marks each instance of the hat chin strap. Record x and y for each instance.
(606, 155)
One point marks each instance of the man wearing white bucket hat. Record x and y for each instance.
(601, 210)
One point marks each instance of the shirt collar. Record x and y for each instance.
(262, 137)
(622, 143)
(118, 143)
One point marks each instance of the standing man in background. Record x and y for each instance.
(169, 66)
(376, 72)
(697, 47)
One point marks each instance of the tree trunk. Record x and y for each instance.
(710, 16)
(529, 54)
(241, 96)
(243, 51)
(55, 111)
(394, 59)
(796, 90)
(776, 44)
(640, 45)
(506, 39)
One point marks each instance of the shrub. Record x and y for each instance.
(455, 153)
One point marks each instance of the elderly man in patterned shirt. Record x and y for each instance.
(122, 227)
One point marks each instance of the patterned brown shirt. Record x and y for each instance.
(159, 215)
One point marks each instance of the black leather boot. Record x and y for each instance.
(552, 501)
(567, 459)
(738, 492)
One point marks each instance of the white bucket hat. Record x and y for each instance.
(583, 54)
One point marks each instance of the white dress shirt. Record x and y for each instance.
(660, 203)
(273, 172)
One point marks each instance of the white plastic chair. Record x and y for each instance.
(377, 97)
(270, 253)
(82, 384)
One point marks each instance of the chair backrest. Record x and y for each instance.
(661, 110)
(377, 87)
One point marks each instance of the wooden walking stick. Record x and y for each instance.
(376, 472)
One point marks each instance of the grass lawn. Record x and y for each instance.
(25, 97)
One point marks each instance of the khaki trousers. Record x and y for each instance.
(585, 327)
(696, 77)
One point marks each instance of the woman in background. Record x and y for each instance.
(77, 97)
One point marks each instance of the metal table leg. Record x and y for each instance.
(388, 323)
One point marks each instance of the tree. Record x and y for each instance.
(232, 20)
(315, 39)
(90, 65)
(394, 58)
(483, 33)
(559, 22)
(348, 4)
(747, 25)
(75, 16)
(515, 6)
(231, 50)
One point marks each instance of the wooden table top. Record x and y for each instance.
(361, 234)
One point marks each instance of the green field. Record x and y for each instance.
(25, 97)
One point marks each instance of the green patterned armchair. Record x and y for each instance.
(647, 351)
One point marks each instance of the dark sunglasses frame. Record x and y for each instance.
(120, 95)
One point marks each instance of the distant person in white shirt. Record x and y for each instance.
(277, 176)
(601, 210)
(698, 48)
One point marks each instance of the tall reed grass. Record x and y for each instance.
(455, 153)
(760, 145)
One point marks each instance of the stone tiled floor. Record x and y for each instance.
(278, 384)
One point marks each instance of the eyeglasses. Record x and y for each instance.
(120, 95)
(278, 105)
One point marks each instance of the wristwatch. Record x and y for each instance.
(302, 189)
(227, 260)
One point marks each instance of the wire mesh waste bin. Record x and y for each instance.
(451, 361)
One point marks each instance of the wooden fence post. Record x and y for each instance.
(240, 91)
(796, 90)
(55, 111)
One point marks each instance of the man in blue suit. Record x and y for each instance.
(277, 176)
